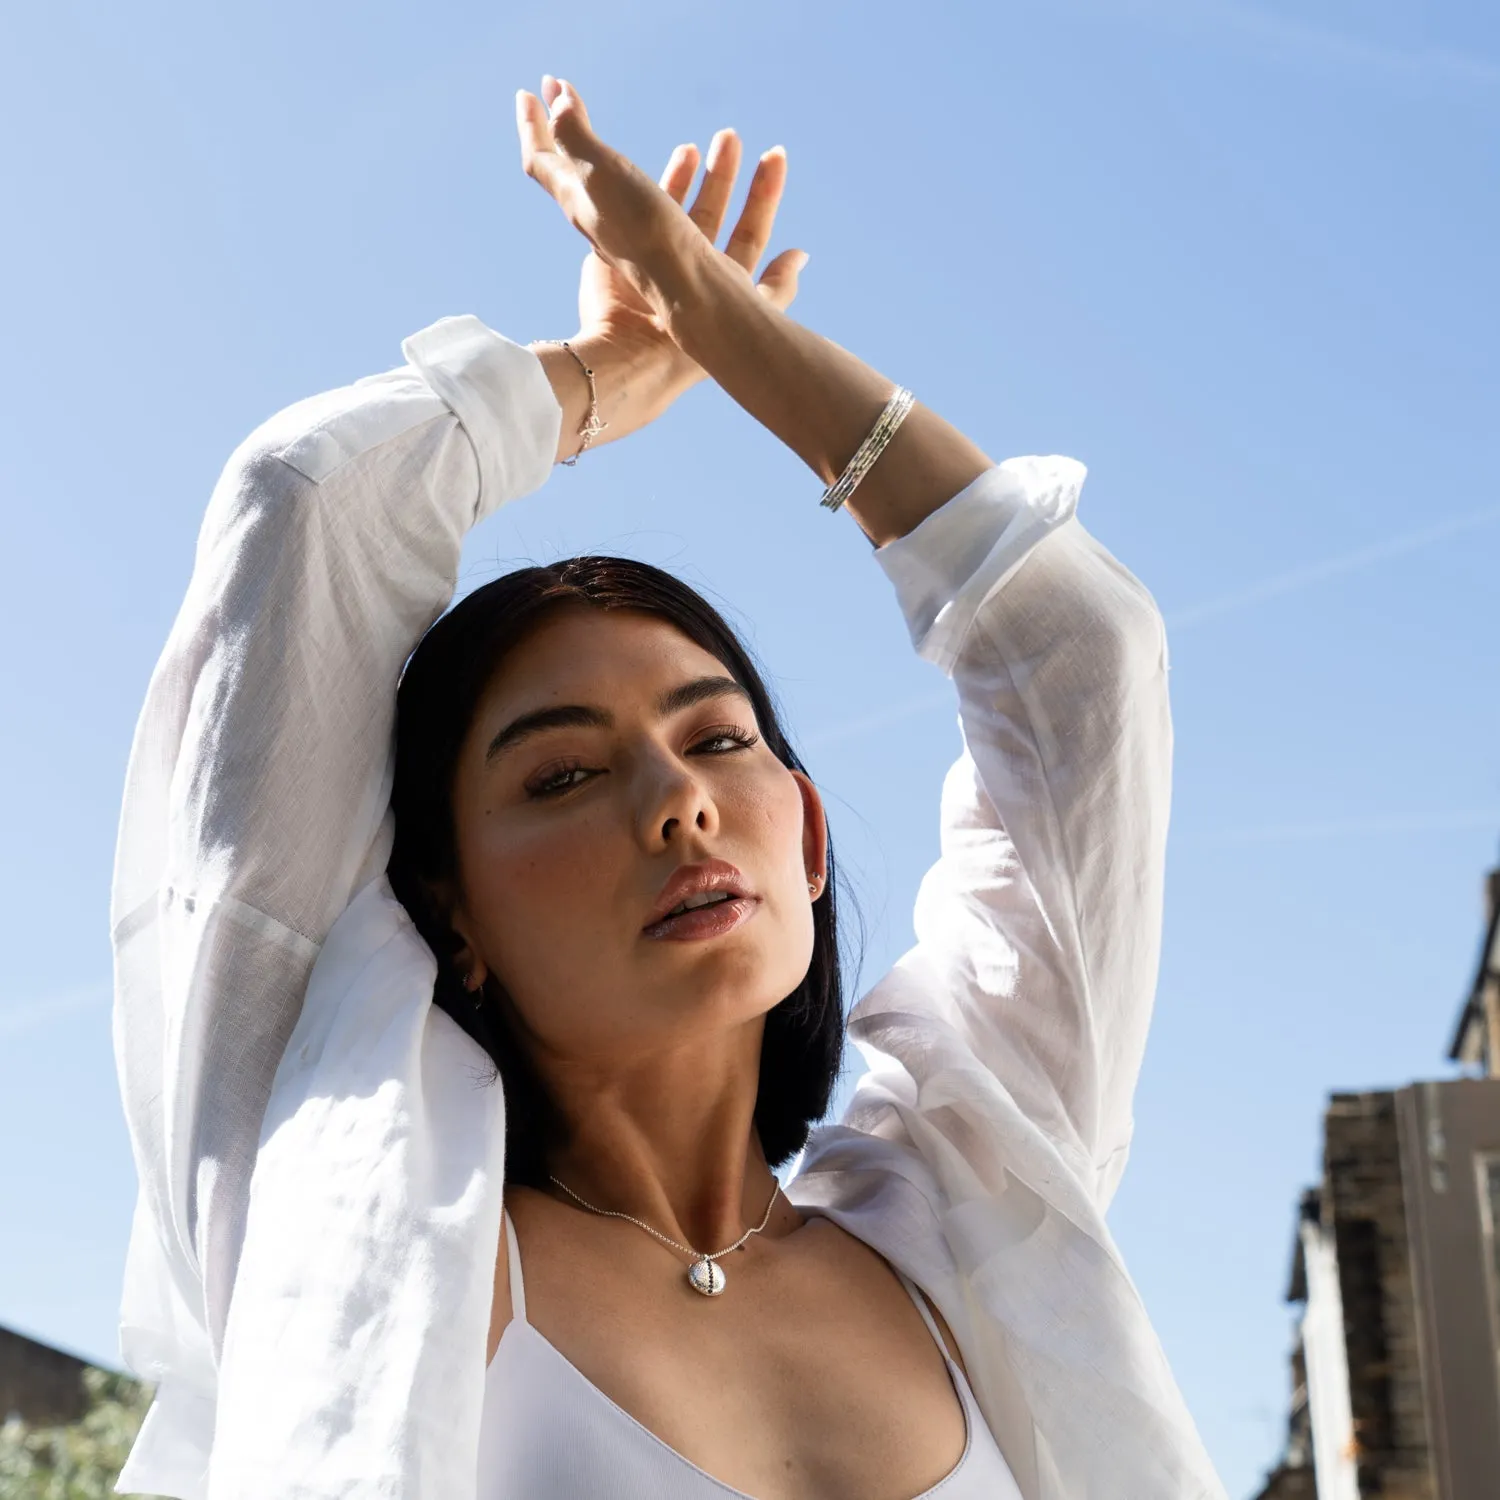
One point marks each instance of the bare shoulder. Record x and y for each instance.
(845, 1251)
(537, 1214)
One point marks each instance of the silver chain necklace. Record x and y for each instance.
(705, 1274)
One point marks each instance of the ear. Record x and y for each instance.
(472, 969)
(814, 828)
(464, 957)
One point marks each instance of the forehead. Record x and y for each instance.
(578, 654)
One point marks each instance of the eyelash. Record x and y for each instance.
(548, 784)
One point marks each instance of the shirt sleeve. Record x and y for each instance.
(256, 797)
(1038, 928)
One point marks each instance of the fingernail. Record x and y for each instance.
(802, 259)
(774, 151)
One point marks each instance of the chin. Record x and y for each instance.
(738, 981)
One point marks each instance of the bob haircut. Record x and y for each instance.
(440, 689)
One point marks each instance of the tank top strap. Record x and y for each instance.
(517, 1285)
(927, 1318)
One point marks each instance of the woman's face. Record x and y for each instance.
(611, 769)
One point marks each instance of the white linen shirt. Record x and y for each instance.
(312, 1257)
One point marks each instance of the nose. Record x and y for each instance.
(672, 800)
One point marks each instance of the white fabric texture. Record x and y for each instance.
(311, 1261)
(549, 1433)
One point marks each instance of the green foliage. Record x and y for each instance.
(81, 1460)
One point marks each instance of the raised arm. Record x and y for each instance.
(255, 800)
(1039, 927)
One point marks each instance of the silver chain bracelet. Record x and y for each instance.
(592, 426)
(880, 434)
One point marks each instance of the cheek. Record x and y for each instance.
(767, 818)
(784, 815)
(527, 887)
(785, 944)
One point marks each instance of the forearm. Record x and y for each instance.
(818, 398)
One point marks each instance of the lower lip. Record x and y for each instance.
(703, 921)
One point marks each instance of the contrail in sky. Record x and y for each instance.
(1332, 567)
(43, 1010)
(1285, 833)
(866, 723)
(1279, 33)
(1267, 588)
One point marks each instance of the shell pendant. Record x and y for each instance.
(706, 1276)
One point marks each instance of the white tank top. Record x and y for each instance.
(549, 1433)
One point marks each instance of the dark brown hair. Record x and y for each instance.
(440, 690)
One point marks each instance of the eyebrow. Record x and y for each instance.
(584, 716)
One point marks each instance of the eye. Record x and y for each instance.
(560, 777)
(554, 779)
(725, 739)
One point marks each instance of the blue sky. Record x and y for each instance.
(1236, 257)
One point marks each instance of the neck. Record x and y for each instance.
(670, 1138)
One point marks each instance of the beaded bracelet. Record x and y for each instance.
(880, 434)
(592, 426)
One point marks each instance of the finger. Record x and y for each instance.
(752, 232)
(779, 284)
(533, 128)
(540, 158)
(712, 202)
(682, 167)
(568, 118)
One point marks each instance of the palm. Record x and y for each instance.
(606, 299)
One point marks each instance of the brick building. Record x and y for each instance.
(1396, 1267)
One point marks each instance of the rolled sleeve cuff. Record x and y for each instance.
(501, 396)
(946, 568)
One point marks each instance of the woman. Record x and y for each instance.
(614, 877)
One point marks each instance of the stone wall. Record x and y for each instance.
(1363, 1203)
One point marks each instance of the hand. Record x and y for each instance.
(643, 241)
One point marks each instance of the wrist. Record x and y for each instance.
(636, 376)
(701, 299)
(638, 372)
(570, 389)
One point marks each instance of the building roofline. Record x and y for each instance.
(1488, 967)
(1309, 1208)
